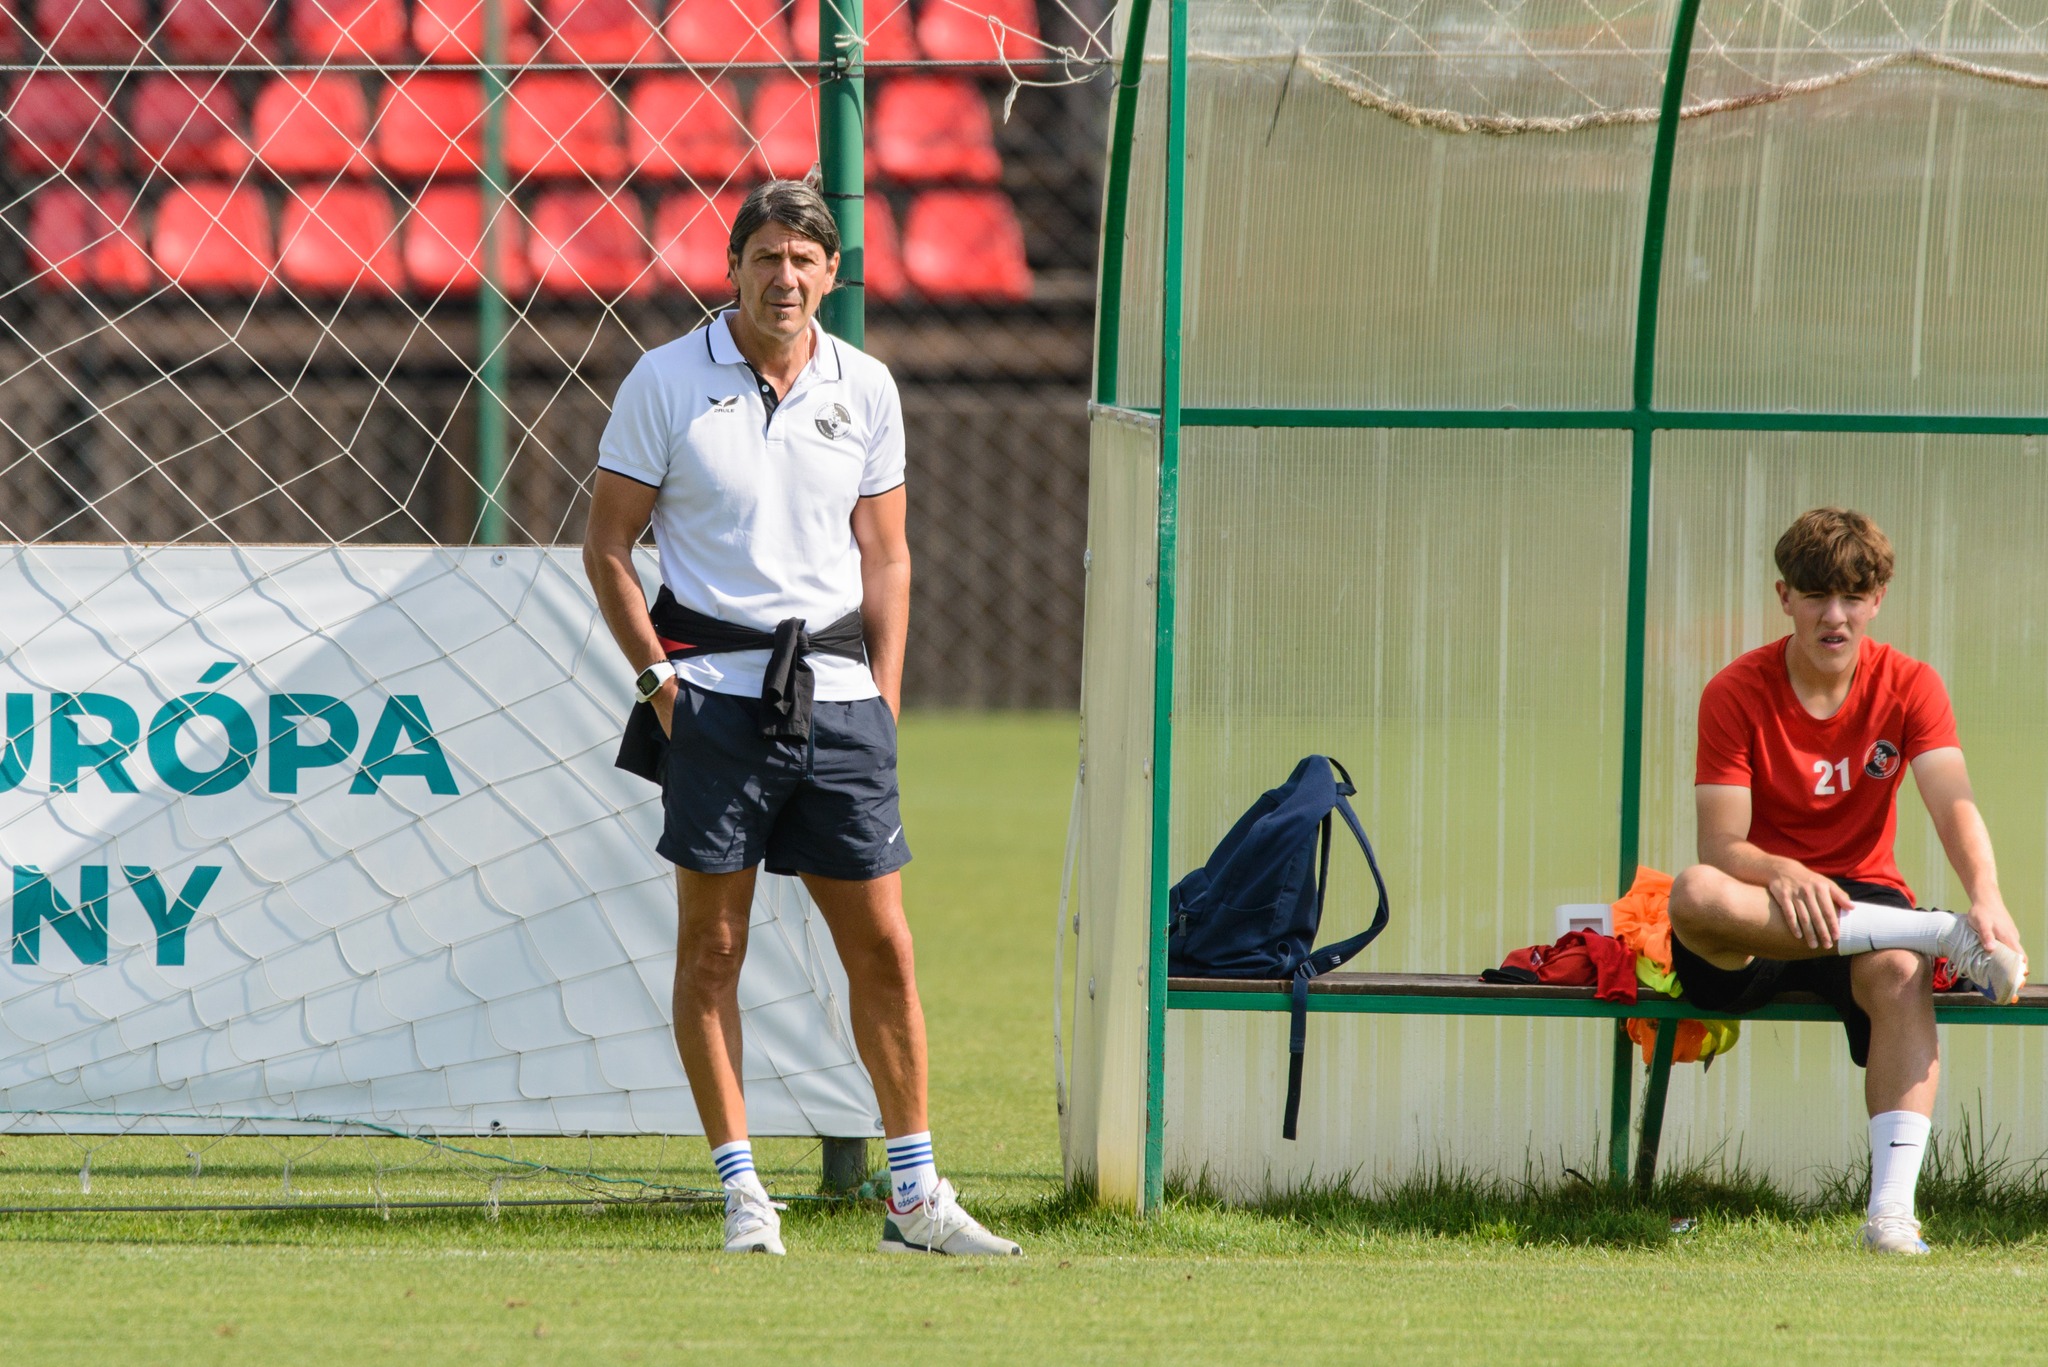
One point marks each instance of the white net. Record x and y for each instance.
(309, 816)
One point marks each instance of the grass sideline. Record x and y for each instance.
(1451, 1268)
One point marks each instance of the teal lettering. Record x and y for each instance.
(37, 900)
(18, 746)
(170, 921)
(289, 756)
(404, 720)
(70, 755)
(174, 715)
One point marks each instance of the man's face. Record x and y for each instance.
(1828, 627)
(781, 276)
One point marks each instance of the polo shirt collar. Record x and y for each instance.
(724, 351)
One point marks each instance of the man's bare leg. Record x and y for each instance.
(1895, 987)
(873, 939)
(711, 943)
(1728, 922)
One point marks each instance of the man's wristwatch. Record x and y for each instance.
(652, 678)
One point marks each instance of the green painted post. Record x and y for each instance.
(1648, 290)
(841, 118)
(1116, 205)
(1618, 1108)
(1162, 639)
(491, 310)
(1653, 1106)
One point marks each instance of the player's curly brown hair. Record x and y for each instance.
(1834, 550)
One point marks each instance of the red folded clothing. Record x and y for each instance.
(1584, 958)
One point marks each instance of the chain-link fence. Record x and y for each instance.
(272, 267)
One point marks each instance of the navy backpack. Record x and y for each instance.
(1252, 911)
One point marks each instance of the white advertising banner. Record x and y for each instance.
(293, 835)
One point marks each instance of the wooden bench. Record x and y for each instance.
(1447, 994)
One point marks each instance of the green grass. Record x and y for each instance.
(1449, 1269)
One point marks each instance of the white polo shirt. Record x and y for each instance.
(753, 521)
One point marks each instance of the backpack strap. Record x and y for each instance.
(1331, 956)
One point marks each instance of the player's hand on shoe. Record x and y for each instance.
(1811, 904)
(1994, 924)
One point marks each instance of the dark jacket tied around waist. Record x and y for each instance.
(786, 689)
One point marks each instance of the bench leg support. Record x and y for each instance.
(1619, 1107)
(1653, 1106)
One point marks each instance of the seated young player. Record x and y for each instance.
(1802, 744)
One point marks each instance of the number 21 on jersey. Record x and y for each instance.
(1825, 776)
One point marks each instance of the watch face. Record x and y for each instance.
(648, 684)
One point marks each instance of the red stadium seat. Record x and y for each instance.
(212, 237)
(60, 121)
(784, 122)
(81, 239)
(444, 243)
(10, 30)
(563, 123)
(349, 30)
(312, 124)
(965, 30)
(930, 128)
(92, 30)
(431, 125)
(453, 30)
(187, 125)
(601, 32)
(965, 244)
(884, 272)
(586, 242)
(339, 239)
(219, 31)
(713, 31)
(890, 38)
(680, 126)
(690, 235)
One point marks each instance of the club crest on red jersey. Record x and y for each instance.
(1882, 761)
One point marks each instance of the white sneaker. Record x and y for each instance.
(938, 1225)
(1892, 1234)
(1998, 972)
(751, 1224)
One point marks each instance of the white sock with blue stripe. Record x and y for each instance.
(735, 1162)
(913, 1177)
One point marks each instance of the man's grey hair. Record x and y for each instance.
(795, 204)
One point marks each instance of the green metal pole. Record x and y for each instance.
(1162, 641)
(1648, 291)
(491, 311)
(1116, 206)
(1623, 1083)
(841, 117)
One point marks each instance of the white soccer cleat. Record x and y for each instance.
(751, 1224)
(1998, 972)
(1892, 1234)
(938, 1225)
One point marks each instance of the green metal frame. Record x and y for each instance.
(492, 308)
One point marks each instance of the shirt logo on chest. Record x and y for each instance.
(729, 404)
(1882, 761)
(834, 421)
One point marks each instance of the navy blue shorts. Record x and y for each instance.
(732, 799)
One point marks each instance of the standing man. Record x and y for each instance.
(1802, 745)
(770, 458)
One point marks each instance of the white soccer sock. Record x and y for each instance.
(735, 1162)
(1865, 927)
(913, 1176)
(1898, 1141)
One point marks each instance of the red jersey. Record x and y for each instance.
(1823, 791)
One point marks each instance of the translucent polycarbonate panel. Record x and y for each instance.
(1138, 319)
(1102, 1130)
(1859, 232)
(1359, 233)
(1443, 612)
(1970, 596)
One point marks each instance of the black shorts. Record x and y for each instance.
(1741, 990)
(732, 799)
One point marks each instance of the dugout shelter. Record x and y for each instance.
(1458, 364)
